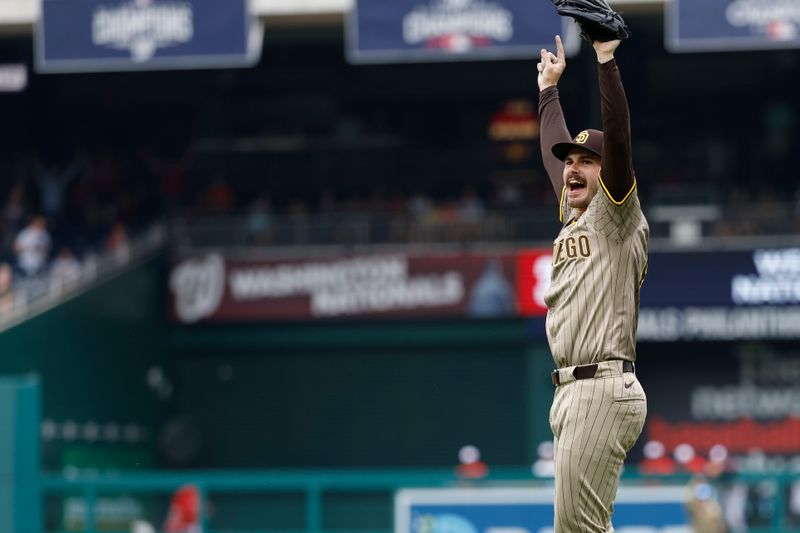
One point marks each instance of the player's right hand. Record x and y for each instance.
(551, 66)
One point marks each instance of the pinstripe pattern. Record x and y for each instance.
(599, 263)
(595, 422)
(593, 300)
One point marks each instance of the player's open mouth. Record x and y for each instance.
(575, 185)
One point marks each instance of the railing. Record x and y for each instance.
(34, 294)
(682, 225)
(315, 486)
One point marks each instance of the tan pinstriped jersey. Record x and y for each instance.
(599, 264)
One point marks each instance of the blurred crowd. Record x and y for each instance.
(57, 217)
(60, 209)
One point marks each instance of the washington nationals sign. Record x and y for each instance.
(211, 288)
(102, 35)
(447, 30)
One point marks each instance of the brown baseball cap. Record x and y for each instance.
(590, 140)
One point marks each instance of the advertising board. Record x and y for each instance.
(395, 285)
(687, 296)
(530, 510)
(722, 25)
(113, 35)
(450, 30)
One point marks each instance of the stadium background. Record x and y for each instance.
(307, 159)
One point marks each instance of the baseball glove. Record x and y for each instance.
(597, 20)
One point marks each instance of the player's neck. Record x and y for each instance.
(577, 212)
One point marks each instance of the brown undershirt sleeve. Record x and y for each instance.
(553, 130)
(617, 165)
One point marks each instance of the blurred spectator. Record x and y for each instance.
(32, 246)
(760, 510)
(471, 213)
(794, 503)
(259, 220)
(545, 465)
(140, 526)
(52, 182)
(688, 460)
(703, 502)
(470, 465)
(509, 194)
(66, 269)
(717, 459)
(6, 289)
(470, 207)
(14, 212)
(734, 506)
(420, 206)
(396, 202)
(703, 506)
(298, 215)
(421, 210)
(172, 174)
(219, 197)
(117, 242)
(106, 177)
(656, 460)
(184, 511)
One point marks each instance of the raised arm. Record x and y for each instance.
(553, 127)
(616, 172)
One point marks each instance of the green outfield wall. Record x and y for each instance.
(378, 394)
(91, 355)
(20, 498)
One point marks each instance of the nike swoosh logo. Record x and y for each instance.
(628, 385)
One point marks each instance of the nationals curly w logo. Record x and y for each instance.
(198, 286)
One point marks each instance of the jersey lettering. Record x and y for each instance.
(572, 251)
(571, 248)
(557, 257)
(583, 244)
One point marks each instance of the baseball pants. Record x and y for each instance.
(595, 423)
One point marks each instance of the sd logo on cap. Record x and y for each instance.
(590, 140)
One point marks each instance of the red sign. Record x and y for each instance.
(533, 279)
(774, 437)
(214, 289)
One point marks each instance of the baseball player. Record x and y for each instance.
(599, 264)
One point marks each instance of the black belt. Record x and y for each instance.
(589, 371)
